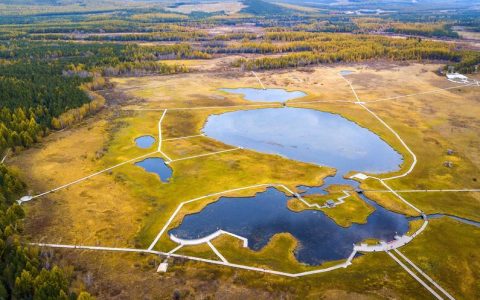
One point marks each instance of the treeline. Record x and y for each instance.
(95, 55)
(32, 93)
(43, 87)
(31, 84)
(323, 48)
(334, 44)
(176, 51)
(147, 37)
(281, 42)
(24, 274)
(469, 62)
(19, 127)
(327, 26)
(423, 29)
(46, 86)
(143, 68)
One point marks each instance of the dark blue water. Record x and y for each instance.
(156, 165)
(266, 95)
(145, 141)
(309, 136)
(260, 217)
(306, 135)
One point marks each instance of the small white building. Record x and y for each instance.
(457, 78)
(162, 268)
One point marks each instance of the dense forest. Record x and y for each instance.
(430, 30)
(51, 86)
(48, 78)
(25, 274)
(46, 86)
(315, 48)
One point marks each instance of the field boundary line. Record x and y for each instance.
(215, 250)
(414, 275)
(424, 275)
(5, 156)
(414, 162)
(194, 258)
(276, 104)
(183, 137)
(261, 83)
(90, 176)
(205, 154)
(160, 140)
(351, 87)
(437, 90)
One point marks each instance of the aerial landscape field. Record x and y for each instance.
(162, 149)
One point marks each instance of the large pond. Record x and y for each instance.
(259, 218)
(145, 141)
(266, 95)
(306, 135)
(157, 166)
(309, 136)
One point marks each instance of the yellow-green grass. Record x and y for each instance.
(387, 200)
(414, 226)
(114, 143)
(195, 146)
(370, 276)
(430, 124)
(200, 176)
(445, 251)
(202, 251)
(434, 118)
(96, 211)
(353, 210)
(191, 90)
(202, 89)
(448, 252)
(277, 255)
(139, 199)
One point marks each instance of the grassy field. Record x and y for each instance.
(353, 210)
(371, 276)
(128, 206)
(430, 124)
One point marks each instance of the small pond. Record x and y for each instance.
(266, 95)
(145, 141)
(158, 166)
(305, 135)
(260, 217)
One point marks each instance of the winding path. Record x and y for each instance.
(393, 245)
(400, 241)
